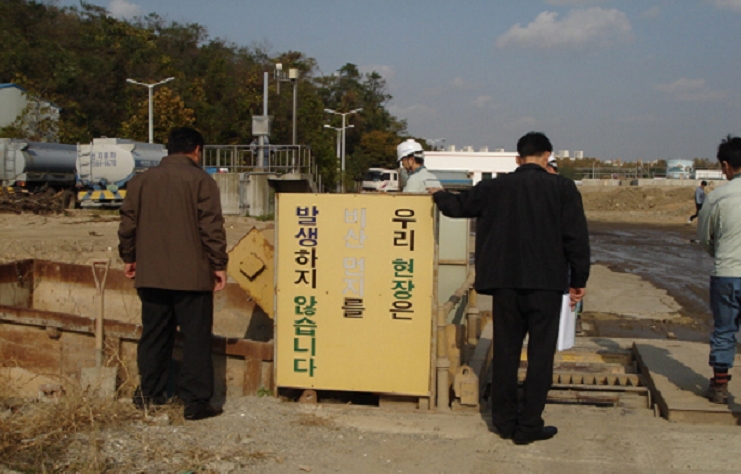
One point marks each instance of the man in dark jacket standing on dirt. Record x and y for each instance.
(173, 243)
(531, 232)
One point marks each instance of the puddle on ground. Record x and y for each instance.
(662, 255)
(626, 327)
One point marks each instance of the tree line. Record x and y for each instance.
(80, 57)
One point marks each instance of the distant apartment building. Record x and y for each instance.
(36, 118)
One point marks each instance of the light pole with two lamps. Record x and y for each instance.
(342, 129)
(151, 107)
(339, 149)
(433, 141)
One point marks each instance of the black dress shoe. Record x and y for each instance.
(141, 402)
(504, 433)
(200, 412)
(523, 437)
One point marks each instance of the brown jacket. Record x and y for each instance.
(172, 227)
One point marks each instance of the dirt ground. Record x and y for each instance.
(81, 236)
(646, 204)
(266, 434)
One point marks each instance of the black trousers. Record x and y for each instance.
(517, 312)
(162, 312)
(697, 211)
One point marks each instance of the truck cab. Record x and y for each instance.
(381, 180)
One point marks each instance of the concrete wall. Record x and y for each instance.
(600, 182)
(651, 182)
(229, 186)
(256, 194)
(246, 194)
(12, 103)
(678, 182)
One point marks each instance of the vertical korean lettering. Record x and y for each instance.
(305, 321)
(354, 267)
(307, 237)
(402, 284)
(304, 340)
(403, 219)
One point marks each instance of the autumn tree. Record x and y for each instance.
(170, 112)
(80, 57)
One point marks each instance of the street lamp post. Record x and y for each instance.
(343, 114)
(151, 107)
(433, 141)
(292, 77)
(339, 148)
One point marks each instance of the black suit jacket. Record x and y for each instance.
(531, 231)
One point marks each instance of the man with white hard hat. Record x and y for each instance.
(411, 157)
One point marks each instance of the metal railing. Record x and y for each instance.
(278, 159)
(616, 172)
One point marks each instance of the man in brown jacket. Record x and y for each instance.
(173, 244)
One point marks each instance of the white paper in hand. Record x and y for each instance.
(566, 325)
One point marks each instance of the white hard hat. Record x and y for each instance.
(409, 147)
(552, 162)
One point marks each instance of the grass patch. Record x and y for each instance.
(35, 435)
(311, 420)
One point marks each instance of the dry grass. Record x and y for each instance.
(33, 434)
(77, 433)
(309, 419)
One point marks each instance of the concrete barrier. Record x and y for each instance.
(712, 183)
(600, 182)
(670, 182)
(229, 186)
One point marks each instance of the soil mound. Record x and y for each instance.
(636, 198)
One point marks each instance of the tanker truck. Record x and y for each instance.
(93, 175)
(107, 164)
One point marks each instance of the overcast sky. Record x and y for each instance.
(623, 79)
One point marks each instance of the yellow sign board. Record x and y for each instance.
(355, 292)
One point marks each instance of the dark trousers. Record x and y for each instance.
(162, 312)
(517, 312)
(697, 211)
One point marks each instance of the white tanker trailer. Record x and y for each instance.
(107, 164)
(95, 174)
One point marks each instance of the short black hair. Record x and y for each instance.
(184, 140)
(532, 144)
(729, 151)
(704, 183)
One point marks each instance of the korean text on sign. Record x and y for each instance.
(402, 284)
(354, 267)
(307, 237)
(304, 340)
(404, 232)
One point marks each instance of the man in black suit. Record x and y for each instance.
(531, 233)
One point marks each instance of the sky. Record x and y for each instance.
(623, 79)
